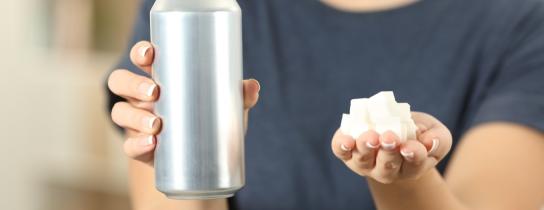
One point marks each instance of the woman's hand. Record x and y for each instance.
(136, 114)
(385, 159)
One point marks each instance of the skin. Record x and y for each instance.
(496, 166)
(367, 5)
(386, 158)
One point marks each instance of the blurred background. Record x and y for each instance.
(59, 150)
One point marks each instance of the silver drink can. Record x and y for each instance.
(198, 67)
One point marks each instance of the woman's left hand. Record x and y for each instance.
(386, 159)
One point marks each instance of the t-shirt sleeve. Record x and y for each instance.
(140, 32)
(516, 92)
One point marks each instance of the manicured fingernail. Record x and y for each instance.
(343, 147)
(258, 84)
(434, 146)
(371, 146)
(407, 155)
(147, 141)
(150, 121)
(147, 88)
(388, 145)
(143, 51)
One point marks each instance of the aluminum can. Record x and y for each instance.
(198, 67)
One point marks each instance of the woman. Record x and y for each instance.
(476, 66)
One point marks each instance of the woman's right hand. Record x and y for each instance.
(136, 113)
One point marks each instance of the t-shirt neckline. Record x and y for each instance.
(327, 9)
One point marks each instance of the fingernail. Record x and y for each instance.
(369, 145)
(343, 147)
(143, 51)
(150, 121)
(147, 88)
(434, 146)
(258, 85)
(388, 145)
(147, 141)
(407, 155)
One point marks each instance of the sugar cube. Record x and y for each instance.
(381, 113)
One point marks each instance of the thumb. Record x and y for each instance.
(251, 93)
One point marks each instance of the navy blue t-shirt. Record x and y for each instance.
(465, 62)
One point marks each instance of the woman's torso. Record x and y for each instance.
(311, 60)
(437, 55)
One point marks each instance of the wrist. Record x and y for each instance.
(429, 191)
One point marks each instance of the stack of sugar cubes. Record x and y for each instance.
(379, 113)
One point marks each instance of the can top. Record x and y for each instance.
(196, 5)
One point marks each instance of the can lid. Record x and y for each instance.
(196, 5)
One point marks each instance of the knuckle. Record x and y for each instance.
(117, 111)
(364, 158)
(391, 165)
(365, 165)
(113, 78)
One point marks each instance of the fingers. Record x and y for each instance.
(142, 55)
(415, 159)
(125, 115)
(140, 91)
(251, 88)
(388, 159)
(251, 93)
(140, 146)
(434, 135)
(145, 105)
(342, 145)
(129, 85)
(368, 145)
(437, 141)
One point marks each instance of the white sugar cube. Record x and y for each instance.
(353, 126)
(411, 129)
(395, 126)
(356, 131)
(381, 113)
(359, 108)
(403, 111)
(345, 125)
(386, 97)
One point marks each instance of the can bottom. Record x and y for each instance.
(200, 195)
